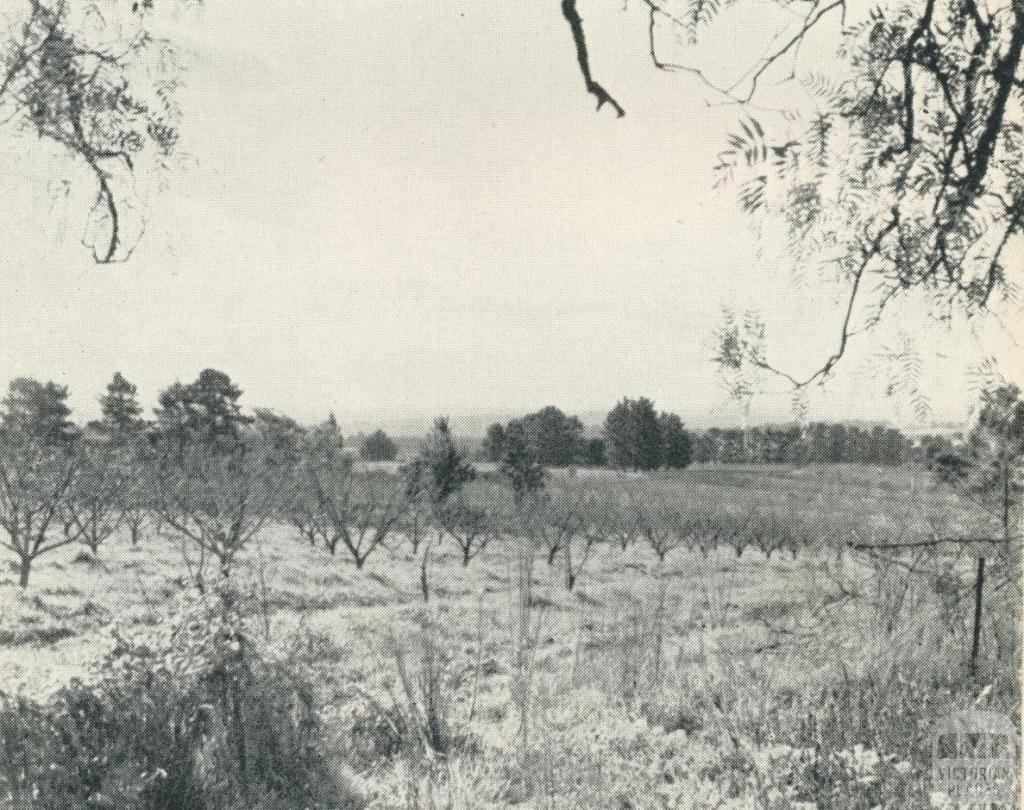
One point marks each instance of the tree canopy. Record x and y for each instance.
(378, 446)
(92, 80)
(554, 438)
(676, 441)
(441, 466)
(207, 408)
(121, 412)
(633, 435)
(38, 411)
(520, 463)
(894, 165)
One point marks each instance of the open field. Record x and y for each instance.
(704, 679)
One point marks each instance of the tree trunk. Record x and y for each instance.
(424, 583)
(979, 585)
(24, 570)
(1006, 502)
(240, 748)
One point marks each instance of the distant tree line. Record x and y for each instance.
(816, 443)
(635, 436)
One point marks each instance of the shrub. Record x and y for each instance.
(200, 714)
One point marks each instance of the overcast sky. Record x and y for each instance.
(412, 208)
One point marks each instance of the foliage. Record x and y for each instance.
(814, 443)
(894, 166)
(38, 412)
(92, 79)
(443, 465)
(121, 420)
(676, 442)
(555, 438)
(633, 436)
(379, 447)
(594, 452)
(200, 713)
(519, 462)
(904, 173)
(282, 436)
(740, 358)
(494, 441)
(205, 411)
(993, 455)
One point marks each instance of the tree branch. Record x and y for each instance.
(603, 97)
(938, 541)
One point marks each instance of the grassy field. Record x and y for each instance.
(710, 679)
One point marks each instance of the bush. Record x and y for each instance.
(200, 715)
(419, 709)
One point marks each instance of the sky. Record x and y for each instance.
(398, 209)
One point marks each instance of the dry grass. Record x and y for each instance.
(716, 647)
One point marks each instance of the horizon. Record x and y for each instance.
(473, 422)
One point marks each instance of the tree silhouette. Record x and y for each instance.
(205, 411)
(676, 442)
(633, 436)
(520, 464)
(379, 447)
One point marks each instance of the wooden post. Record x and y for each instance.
(979, 585)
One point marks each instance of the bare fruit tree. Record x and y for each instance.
(215, 500)
(561, 508)
(38, 471)
(357, 509)
(374, 515)
(34, 484)
(96, 502)
(471, 527)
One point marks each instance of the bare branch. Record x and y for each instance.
(603, 97)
